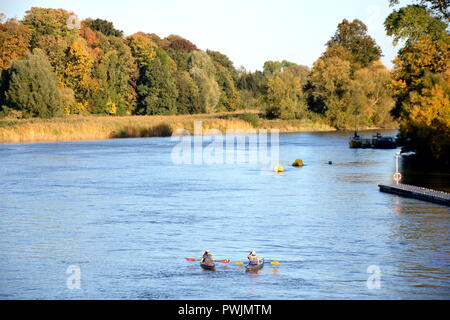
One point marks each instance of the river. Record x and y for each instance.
(115, 219)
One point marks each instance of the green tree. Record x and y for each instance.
(285, 98)
(203, 72)
(156, 86)
(439, 8)
(188, 100)
(33, 87)
(413, 22)
(104, 26)
(372, 98)
(353, 37)
(271, 67)
(328, 90)
(251, 86)
(115, 76)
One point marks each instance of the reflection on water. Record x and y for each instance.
(123, 213)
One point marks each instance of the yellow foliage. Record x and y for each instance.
(111, 107)
(143, 49)
(432, 105)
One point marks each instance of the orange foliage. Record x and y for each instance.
(14, 42)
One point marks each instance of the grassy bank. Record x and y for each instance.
(97, 128)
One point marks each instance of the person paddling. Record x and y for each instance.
(254, 259)
(207, 257)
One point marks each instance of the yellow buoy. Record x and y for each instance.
(298, 163)
(278, 169)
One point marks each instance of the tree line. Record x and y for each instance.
(49, 68)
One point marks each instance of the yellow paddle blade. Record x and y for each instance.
(275, 263)
(239, 263)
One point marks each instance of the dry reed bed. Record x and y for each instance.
(98, 128)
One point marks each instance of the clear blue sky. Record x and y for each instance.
(249, 32)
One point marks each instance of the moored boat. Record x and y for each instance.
(376, 142)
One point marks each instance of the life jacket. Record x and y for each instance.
(253, 259)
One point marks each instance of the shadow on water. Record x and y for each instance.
(424, 174)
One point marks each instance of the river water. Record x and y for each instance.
(119, 216)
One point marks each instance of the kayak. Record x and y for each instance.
(254, 267)
(208, 265)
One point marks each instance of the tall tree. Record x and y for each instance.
(78, 74)
(285, 98)
(115, 75)
(188, 100)
(33, 87)
(203, 72)
(157, 87)
(421, 81)
(371, 96)
(329, 92)
(353, 37)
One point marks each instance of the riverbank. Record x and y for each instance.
(99, 128)
(71, 128)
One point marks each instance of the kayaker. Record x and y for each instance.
(253, 258)
(207, 257)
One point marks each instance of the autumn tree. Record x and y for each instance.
(420, 84)
(56, 48)
(33, 87)
(78, 75)
(142, 49)
(179, 43)
(421, 78)
(14, 42)
(45, 21)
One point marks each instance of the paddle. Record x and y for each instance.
(274, 263)
(221, 261)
